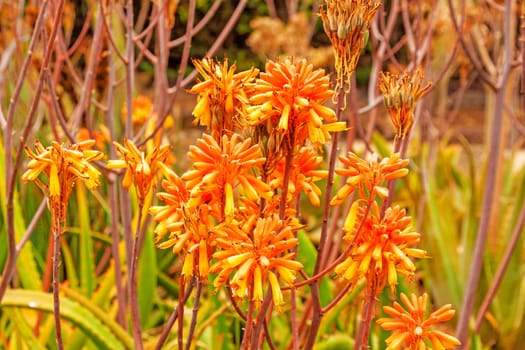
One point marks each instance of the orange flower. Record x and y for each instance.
(255, 253)
(100, 137)
(170, 215)
(288, 100)
(193, 238)
(381, 249)
(368, 176)
(346, 23)
(141, 169)
(401, 96)
(63, 166)
(304, 172)
(410, 328)
(223, 95)
(190, 229)
(141, 109)
(219, 169)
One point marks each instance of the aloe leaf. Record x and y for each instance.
(147, 278)
(439, 234)
(97, 327)
(26, 266)
(87, 268)
(24, 330)
(100, 300)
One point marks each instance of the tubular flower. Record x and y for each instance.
(171, 214)
(219, 169)
(303, 174)
(368, 176)
(141, 169)
(222, 95)
(381, 247)
(288, 100)
(346, 23)
(411, 329)
(255, 254)
(401, 96)
(63, 166)
(193, 239)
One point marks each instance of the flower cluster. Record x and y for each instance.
(255, 252)
(346, 24)
(401, 96)
(141, 169)
(381, 247)
(368, 176)
(288, 101)
(219, 169)
(303, 175)
(222, 95)
(411, 330)
(63, 166)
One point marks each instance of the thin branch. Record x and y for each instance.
(488, 196)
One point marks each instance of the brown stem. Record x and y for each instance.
(246, 339)
(316, 302)
(174, 316)
(361, 339)
(502, 268)
(180, 307)
(194, 314)
(56, 228)
(133, 293)
(10, 167)
(488, 196)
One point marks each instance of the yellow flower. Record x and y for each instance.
(303, 175)
(63, 165)
(256, 253)
(410, 328)
(368, 176)
(288, 101)
(219, 169)
(346, 23)
(382, 248)
(223, 95)
(401, 96)
(141, 169)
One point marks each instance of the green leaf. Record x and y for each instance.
(87, 268)
(147, 278)
(26, 266)
(23, 329)
(97, 328)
